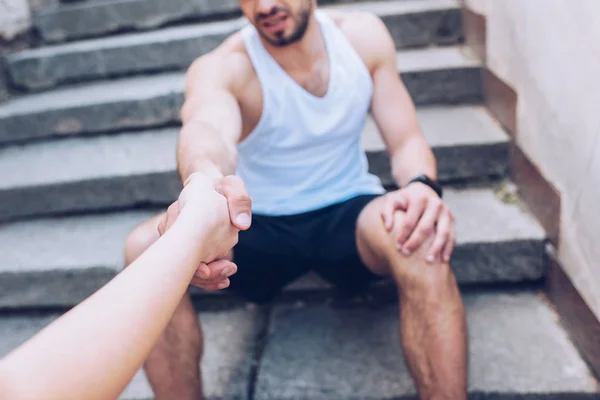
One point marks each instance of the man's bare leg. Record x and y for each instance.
(173, 365)
(432, 319)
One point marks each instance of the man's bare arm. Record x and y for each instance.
(212, 127)
(211, 119)
(395, 115)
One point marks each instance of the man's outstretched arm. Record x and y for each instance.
(395, 115)
(212, 127)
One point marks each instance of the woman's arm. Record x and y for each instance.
(94, 350)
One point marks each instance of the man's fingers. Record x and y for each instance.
(169, 218)
(240, 204)
(202, 272)
(411, 218)
(392, 203)
(388, 213)
(449, 248)
(425, 226)
(442, 237)
(162, 225)
(218, 275)
(211, 286)
(216, 270)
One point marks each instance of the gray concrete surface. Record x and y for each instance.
(411, 23)
(517, 349)
(227, 361)
(75, 21)
(433, 76)
(54, 262)
(111, 171)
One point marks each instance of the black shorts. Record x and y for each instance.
(277, 250)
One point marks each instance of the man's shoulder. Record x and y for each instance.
(363, 29)
(229, 63)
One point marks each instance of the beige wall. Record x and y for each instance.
(549, 51)
(14, 18)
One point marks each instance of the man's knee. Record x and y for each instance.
(380, 252)
(414, 275)
(374, 243)
(140, 238)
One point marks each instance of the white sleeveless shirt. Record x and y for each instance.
(305, 152)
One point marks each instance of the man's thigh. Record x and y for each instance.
(340, 261)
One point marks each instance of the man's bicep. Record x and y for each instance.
(209, 99)
(217, 108)
(211, 122)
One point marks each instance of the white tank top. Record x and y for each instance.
(305, 152)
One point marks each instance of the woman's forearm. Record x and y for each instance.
(94, 350)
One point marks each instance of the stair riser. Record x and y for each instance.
(32, 72)
(138, 15)
(3, 84)
(97, 20)
(443, 86)
(160, 189)
(455, 164)
(108, 117)
(502, 262)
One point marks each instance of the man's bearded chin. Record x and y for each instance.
(301, 24)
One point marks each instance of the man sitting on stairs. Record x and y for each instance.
(278, 109)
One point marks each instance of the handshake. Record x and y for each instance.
(210, 213)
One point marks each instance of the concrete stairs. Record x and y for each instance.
(87, 151)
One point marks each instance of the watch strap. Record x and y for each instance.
(435, 186)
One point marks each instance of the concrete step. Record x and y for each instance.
(227, 362)
(438, 75)
(117, 171)
(518, 350)
(58, 262)
(75, 21)
(412, 23)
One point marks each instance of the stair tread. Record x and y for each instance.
(83, 242)
(97, 93)
(436, 58)
(387, 7)
(432, 76)
(226, 363)
(197, 29)
(412, 24)
(84, 158)
(142, 87)
(517, 348)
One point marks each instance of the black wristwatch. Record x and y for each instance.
(429, 182)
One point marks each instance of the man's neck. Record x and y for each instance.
(301, 54)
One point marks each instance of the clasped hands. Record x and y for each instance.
(212, 212)
(413, 215)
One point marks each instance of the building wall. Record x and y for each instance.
(549, 52)
(15, 18)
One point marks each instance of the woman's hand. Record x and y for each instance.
(204, 212)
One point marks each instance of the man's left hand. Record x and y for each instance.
(424, 214)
